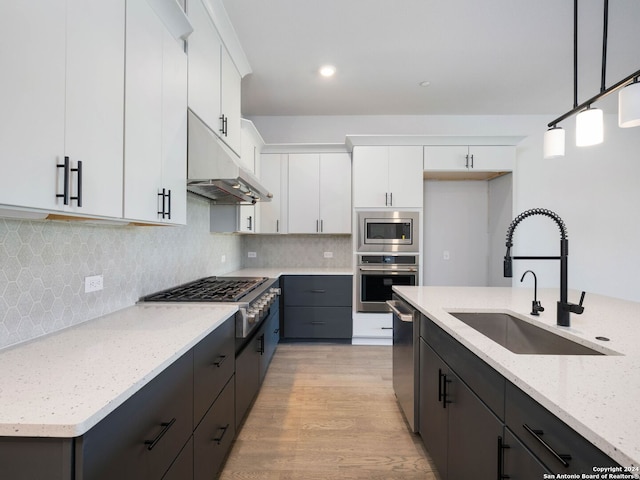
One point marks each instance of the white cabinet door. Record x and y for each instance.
(405, 177)
(62, 96)
(370, 176)
(143, 113)
(492, 158)
(204, 47)
(482, 158)
(386, 176)
(446, 158)
(95, 102)
(174, 127)
(335, 193)
(304, 193)
(230, 101)
(273, 174)
(32, 119)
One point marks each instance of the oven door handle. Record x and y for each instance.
(405, 317)
(388, 270)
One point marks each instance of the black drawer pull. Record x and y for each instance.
(224, 430)
(317, 322)
(562, 458)
(501, 447)
(152, 443)
(78, 197)
(386, 328)
(220, 360)
(318, 291)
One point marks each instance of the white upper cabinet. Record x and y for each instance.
(273, 175)
(252, 143)
(481, 158)
(319, 193)
(155, 120)
(387, 176)
(214, 81)
(62, 97)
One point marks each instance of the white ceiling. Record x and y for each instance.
(482, 57)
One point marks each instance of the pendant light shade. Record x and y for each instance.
(589, 127)
(554, 143)
(629, 106)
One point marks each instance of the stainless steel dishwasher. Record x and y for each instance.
(406, 324)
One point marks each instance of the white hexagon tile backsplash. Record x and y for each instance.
(43, 265)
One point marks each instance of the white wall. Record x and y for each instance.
(594, 189)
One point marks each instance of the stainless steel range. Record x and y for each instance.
(253, 295)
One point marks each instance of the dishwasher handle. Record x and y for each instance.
(405, 317)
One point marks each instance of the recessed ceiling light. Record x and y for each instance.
(426, 83)
(327, 70)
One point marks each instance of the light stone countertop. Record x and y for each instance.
(62, 384)
(595, 395)
(277, 272)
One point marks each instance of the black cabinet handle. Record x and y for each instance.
(161, 195)
(221, 130)
(249, 222)
(152, 443)
(277, 226)
(220, 360)
(276, 331)
(386, 328)
(471, 160)
(442, 388)
(562, 458)
(386, 199)
(226, 129)
(501, 447)
(261, 344)
(78, 170)
(467, 161)
(318, 291)
(391, 199)
(317, 322)
(169, 204)
(65, 194)
(223, 430)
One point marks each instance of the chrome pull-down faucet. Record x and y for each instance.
(564, 306)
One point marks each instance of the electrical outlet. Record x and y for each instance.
(223, 259)
(252, 254)
(93, 284)
(328, 254)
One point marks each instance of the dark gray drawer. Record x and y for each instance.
(143, 436)
(214, 435)
(522, 412)
(487, 384)
(318, 322)
(318, 290)
(214, 363)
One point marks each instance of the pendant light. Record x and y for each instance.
(554, 142)
(589, 127)
(589, 121)
(629, 105)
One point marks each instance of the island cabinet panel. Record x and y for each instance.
(459, 431)
(182, 468)
(535, 426)
(318, 306)
(143, 436)
(34, 458)
(476, 424)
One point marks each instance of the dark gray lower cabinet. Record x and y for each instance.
(143, 436)
(475, 424)
(519, 462)
(154, 435)
(318, 307)
(214, 436)
(459, 431)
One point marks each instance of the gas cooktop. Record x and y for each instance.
(209, 289)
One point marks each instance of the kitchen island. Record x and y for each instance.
(595, 395)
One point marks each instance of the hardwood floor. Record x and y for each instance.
(327, 412)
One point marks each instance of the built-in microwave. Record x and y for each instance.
(388, 231)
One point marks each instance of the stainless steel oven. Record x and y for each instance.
(377, 274)
(388, 231)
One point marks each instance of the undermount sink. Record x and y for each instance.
(521, 337)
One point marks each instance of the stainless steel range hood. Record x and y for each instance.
(214, 171)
